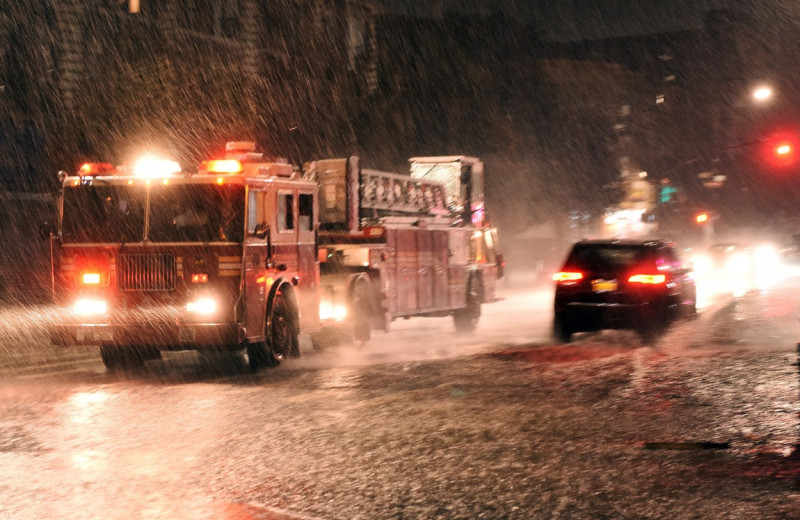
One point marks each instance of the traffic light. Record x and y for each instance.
(701, 218)
(782, 150)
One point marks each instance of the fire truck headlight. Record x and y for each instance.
(204, 306)
(332, 311)
(89, 307)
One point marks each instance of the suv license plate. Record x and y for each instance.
(604, 285)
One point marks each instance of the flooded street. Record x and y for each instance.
(421, 423)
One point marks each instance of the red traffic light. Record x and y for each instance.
(781, 150)
(783, 153)
(701, 218)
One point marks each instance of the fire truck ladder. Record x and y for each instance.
(385, 194)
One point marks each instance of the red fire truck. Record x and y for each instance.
(397, 246)
(147, 259)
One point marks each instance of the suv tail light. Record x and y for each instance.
(567, 277)
(650, 279)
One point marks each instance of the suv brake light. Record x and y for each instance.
(652, 279)
(567, 276)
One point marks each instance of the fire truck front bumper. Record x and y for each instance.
(164, 336)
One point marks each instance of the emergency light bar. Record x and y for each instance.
(222, 166)
(149, 167)
(240, 158)
(93, 169)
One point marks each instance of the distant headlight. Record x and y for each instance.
(739, 263)
(766, 255)
(204, 306)
(331, 311)
(701, 264)
(89, 307)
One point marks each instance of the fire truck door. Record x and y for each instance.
(458, 255)
(406, 247)
(257, 246)
(307, 261)
(294, 247)
(425, 269)
(441, 257)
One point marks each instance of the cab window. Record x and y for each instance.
(306, 212)
(255, 210)
(480, 252)
(285, 212)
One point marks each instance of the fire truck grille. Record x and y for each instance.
(146, 272)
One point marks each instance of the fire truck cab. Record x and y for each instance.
(148, 259)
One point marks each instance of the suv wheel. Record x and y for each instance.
(561, 329)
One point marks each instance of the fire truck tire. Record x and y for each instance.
(466, 319)
(284, 341)
(363, 311)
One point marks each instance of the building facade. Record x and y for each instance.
(109, 79)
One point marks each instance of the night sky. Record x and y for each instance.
(571, 20)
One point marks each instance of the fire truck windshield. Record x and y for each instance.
(196, 213)
(103, 213)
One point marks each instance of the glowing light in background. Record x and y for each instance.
(149, 167)
(762, 93)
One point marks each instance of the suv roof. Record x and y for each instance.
(627, 241)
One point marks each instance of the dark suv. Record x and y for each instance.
(622, 284)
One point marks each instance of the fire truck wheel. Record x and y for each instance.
(361, 305)
(466, 319)
(283, 338)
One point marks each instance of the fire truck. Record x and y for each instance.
(404, 245)
(147, 258)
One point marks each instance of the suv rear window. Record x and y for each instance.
(608, 256)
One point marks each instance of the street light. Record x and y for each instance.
(762, 93)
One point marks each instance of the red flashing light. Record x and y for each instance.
(223, 166)
(200, 278)
(91, 278)
(91, 169)
(92, 271)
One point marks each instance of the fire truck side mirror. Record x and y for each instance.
(261, 231)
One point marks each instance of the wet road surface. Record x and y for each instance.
(420, 424)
